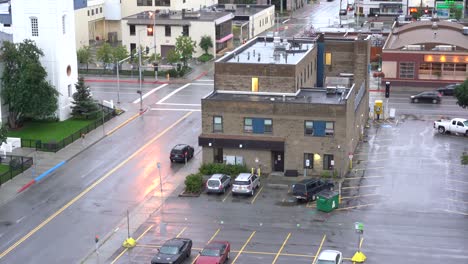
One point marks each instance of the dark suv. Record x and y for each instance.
(180, 152)
(307, 190)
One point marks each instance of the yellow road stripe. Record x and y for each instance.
(181, 232)
(357, 206)
(360, 243)
(281, 248)
(224, 199)
(126, 249)
(320, 248)
(245, 244)
(366, 177)
(123, 124)
(92, 186)
(255, 197)
(356, 187)
(211, 239)
(357, 196)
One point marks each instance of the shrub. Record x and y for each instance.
(325, 174)
(205, 57)
(173, 73)
(212, 168)
(194, 183)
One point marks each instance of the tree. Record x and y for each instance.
(173, 56)
(104, 54)
(26, 91)
(3, 134)
(84, 56)
(155, 57)
(461, 93)
(205, 43)
(83, 102)
(119, 53)
(185, 46)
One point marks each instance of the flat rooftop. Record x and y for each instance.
(242, 10)
(305, 96)
(270, 50)
(169, 17)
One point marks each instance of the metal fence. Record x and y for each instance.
(17, 165)
(54, 146)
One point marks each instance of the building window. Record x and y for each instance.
(255, 85)
(162, 3)
(328, 58)
(97, 11)
(185, 30)
(217, 124)
(92, 12)
(407, 70)
(218, 155)
(308, 160)
(69, 90)
(329, 128)
(167, 29)
(132, 30)
(88, 12)
(100, 10)
(64, 21)
(327, 162)
(144, 2)
(34, 27)
(268, 126)
(309, 128)
(149, 30)
(266, 20)
(248, 126)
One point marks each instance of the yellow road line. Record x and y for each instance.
(360, 243)
(256, 252)
(366, 177)
(357, 206)
(123, 124)
(297, 255)
(181, 232)
(211, 239)
(225, 197)
(126, 249)
(357, 196)
(245, 244)
(320, 248)
(357, 187)
(255, 197)
(281, 248)
(91, 187)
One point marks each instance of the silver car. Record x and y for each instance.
(218, 183)
(245, 183)
(330, 257)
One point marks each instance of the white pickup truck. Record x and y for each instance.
(456, 126)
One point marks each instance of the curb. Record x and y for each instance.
(42, 176)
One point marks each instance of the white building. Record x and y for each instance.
(392, 7)
(51, 24)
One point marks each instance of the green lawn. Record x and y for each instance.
(47, 131)
(4, 168)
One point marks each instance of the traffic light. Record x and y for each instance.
(96, 239)
(147, 50)
(387, 89)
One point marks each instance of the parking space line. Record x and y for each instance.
(366, 177)
(454, 200)
(181, 232)
(320, 248)
(297, 255)
(255, 197)
(256, 252)
(361, 186)
(212, 237)
(357, 206)
(243, 247)
(281, 248)
(126, 249)
(457, 181)
(229, 193)
(454, 190)
(456, 212)
(357, 196)
(311, 205)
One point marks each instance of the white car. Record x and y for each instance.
(330, 257)
(456, 125)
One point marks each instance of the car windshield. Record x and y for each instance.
(465, 123)
(170, 250)
(325, 261)
(213, 183)
(299, 188)
(210, 252)
(241, 182)
(177, 151)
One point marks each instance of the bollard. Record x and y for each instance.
(168, 77)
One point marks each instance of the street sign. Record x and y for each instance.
(359, 227)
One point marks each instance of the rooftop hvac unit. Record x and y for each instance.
(230, 7)
(414, 47)
(443, 47)
(465, 30)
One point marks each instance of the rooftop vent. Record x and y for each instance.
(465, 30)
(230, 7)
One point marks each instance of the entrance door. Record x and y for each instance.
(278, 161)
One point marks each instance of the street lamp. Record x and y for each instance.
(153, 14)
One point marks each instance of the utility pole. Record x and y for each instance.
(154, 43)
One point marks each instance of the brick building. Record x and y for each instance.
(270, 107)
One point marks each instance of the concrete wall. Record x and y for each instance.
(258, 20)
(129, 7)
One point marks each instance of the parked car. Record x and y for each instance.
(427, 97)
(245, 183)
(456, 125)
(216, 252)
(448, 89)
(218, 183)
(307, 189)
(330, 257)
(180, 152)
(173, 251)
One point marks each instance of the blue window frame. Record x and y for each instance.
(258, 125)
(319, 128)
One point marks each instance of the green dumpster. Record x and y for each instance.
(327, 200)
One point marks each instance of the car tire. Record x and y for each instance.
(252, 193)
(434, 101)
(415, 101)
(441, 130)
(466, 133)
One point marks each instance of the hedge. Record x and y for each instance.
(194, 183)
(212, 168)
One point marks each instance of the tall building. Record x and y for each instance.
(51, 25)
